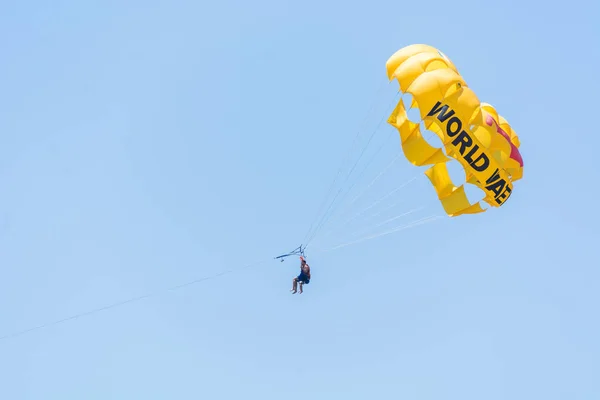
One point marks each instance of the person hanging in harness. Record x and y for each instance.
(303, 278)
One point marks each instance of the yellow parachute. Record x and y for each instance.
(472, 132)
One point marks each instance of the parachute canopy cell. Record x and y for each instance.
(472, 132)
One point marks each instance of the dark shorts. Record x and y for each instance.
(303, 278)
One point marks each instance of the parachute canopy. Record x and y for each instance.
(472, 132)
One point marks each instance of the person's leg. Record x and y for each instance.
(301, 283)
(294, 285)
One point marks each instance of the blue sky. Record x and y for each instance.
(147, 144)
